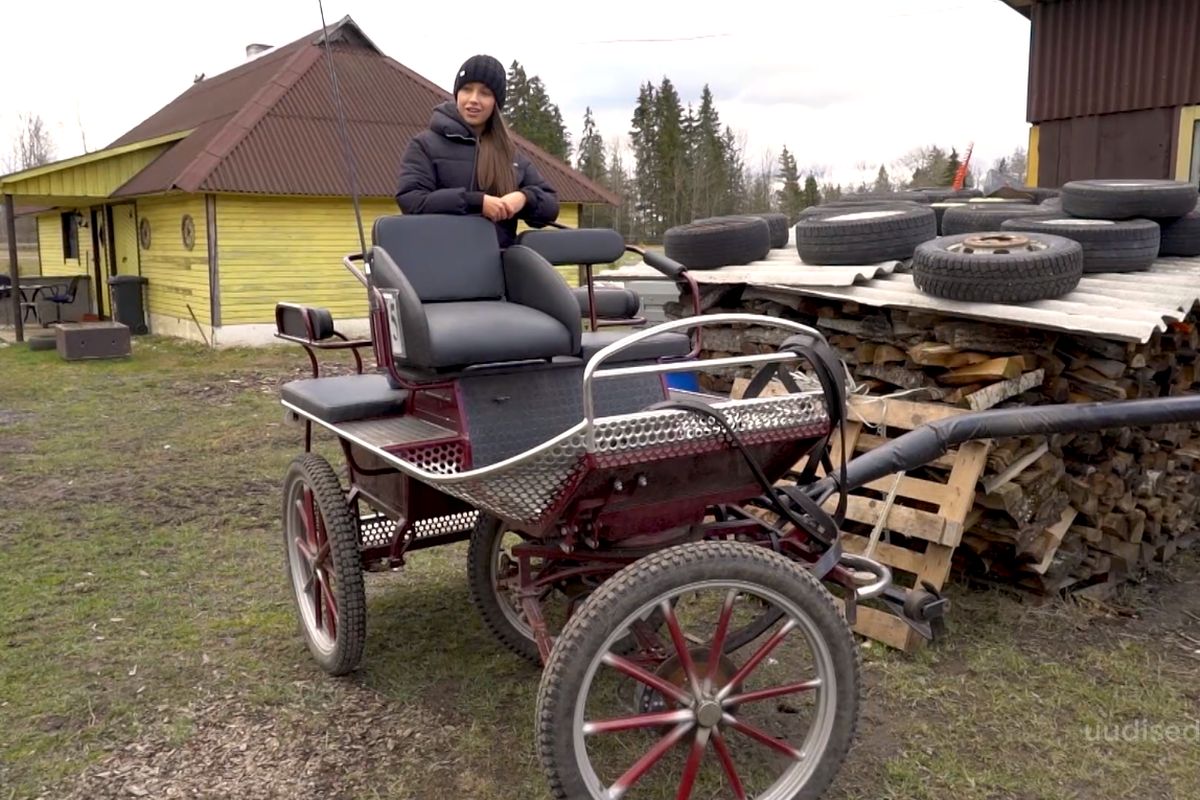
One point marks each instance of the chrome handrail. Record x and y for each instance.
(592, 369)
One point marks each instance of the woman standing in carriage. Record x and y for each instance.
(465, 163)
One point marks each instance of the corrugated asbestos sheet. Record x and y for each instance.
(781, 267)
(1123, 306)
(1103, 56)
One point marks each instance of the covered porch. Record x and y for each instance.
(85, 235)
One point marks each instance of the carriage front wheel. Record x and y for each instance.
(320, 535)
(683, 715)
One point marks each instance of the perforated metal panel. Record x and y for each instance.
(528, 489)
(375, 531)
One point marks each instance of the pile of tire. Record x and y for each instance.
(835, 235)
(717, 242)
(1123, 225)
(1007, 253)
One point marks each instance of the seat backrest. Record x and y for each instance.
(576, 245)
(445, 257)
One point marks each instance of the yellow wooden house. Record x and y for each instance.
(236, 194)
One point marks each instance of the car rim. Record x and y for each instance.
(709, 704)
(310, 560)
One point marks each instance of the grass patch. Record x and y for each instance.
(145, 624)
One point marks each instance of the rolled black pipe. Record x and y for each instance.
(924, 444)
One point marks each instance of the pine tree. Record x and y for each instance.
(530, 113)
(619, 184)
(791, 197)
(591, 162)
(829, 192)
(952, 167)
(882, 182)
(812, 195)
(643, 131)
(734, 188)
(591, 159)
(671, 156)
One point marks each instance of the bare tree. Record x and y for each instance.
(33, 146)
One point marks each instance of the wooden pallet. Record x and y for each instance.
(930, 514)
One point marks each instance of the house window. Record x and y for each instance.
(1195, 176)
(70, 235)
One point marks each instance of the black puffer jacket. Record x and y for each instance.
(437, 176)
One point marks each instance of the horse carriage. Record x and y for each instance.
(668, 556)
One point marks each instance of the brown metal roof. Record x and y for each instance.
(270, 127)
(1093, 57)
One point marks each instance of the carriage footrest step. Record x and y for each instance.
(395, 431)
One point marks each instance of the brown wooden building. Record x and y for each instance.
(1114, 89)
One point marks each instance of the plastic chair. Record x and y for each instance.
(61, 294)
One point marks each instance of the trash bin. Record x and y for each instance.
(125, 293)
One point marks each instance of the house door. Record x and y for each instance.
(102, 260)
(124, 236)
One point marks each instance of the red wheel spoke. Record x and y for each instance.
(330, 605)
(638, 721)
(305, 550)
(778, 691)
(306, 504)
(735, 783)
(681, 648)
(643, 764)
(322, 555)
(692, 768)
(762, 737)
(755, 659)
(718, 642)
(653, 681)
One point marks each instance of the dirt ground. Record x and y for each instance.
(148, 645)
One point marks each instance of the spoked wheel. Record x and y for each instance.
(323, 563)
(493, 584)
(772, 720)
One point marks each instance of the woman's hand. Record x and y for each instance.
(495, 208)
(514, 201)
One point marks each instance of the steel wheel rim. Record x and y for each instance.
(504, 600)
(820, 732)
(301, 568)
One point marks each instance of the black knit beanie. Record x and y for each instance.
(487, 71)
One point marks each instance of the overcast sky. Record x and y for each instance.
(840, 82)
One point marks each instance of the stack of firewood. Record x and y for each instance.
(1052, 513)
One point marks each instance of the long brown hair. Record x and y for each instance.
(496, 156)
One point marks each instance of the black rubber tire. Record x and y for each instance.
(718, 242)
(778, 225)
(481, 566)
(341, 529)
(1181, 235)
(42, 342)
(565, 673)
(1108, 245)
(1042, 193)
(875, 197)
(1052, 205)
(1129, 198)
(981, 217)
(1012, 278)
(939, 210)
(943, 194)
(837, 206)
(865, 236)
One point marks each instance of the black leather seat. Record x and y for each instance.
(460, 301)
(345, 398)
(661, 345)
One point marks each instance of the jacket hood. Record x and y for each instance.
(446, 121)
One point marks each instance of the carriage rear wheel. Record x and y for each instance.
(320, 535)
(492, 582)
(771, 720)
